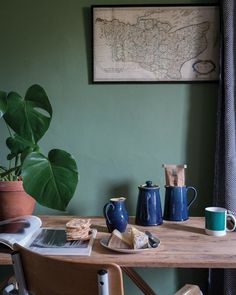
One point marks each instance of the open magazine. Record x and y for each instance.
(27, 231)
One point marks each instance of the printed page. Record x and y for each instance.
(52, 241)
(18, 230)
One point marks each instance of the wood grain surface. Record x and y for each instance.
(183, 244)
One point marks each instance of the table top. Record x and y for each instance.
(183, 244)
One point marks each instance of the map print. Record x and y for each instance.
(156, 43)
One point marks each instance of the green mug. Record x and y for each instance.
(216, 221)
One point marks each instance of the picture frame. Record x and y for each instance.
(155, 43)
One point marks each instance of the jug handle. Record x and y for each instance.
(194, 195)
(106, 207)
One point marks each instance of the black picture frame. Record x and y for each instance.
(155, 43)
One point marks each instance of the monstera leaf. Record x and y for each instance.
(51, 181)
(3, 103)
(19, 145)
(29, 117)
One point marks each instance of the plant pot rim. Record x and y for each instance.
(15, 185)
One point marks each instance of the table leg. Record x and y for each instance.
(138, 280)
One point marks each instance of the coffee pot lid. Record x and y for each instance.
(149, 185)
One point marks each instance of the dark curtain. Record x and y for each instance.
(224, 281)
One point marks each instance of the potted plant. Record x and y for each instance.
(50, 180)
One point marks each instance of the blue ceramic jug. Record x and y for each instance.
(116, 214)
(176, 202)
(149, 210)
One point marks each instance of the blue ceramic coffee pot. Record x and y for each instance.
(149, 210)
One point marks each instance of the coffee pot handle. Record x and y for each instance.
(194, 195)
(106, 207)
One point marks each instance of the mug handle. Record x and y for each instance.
(194, 196)
(106, 207)
(233, 220)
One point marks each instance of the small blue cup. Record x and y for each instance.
(176, 202)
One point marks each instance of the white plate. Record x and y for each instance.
(104, 243)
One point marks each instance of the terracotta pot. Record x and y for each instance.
(14, 201)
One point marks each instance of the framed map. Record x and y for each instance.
(155, 43)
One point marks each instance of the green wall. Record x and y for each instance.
(119, 134)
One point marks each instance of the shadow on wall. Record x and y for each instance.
(200, 145)
(115, 190)
(200, 151)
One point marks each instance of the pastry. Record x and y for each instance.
(140, 239)
(120, 240)
(133, 239)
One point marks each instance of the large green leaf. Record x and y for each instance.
(18, 145)
(51, 181)
(29, 117)
(3, 103)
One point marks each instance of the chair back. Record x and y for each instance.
(55, 276)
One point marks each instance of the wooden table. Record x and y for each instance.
(183, 245)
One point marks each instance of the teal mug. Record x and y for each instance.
(216, 221)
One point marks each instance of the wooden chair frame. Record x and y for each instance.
(40, 275)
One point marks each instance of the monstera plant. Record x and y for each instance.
(51, 180)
